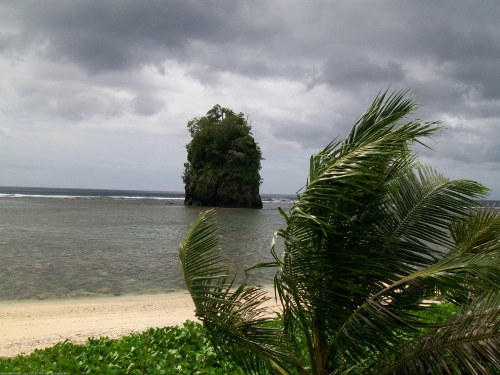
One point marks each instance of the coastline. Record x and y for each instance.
(49, 238)
(30, 325)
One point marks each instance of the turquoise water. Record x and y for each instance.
(83, 247)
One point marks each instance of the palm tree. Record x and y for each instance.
(373, 240)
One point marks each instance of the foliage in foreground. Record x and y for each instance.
(169, 350)
(373, 238)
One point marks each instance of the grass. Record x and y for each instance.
(169, 350)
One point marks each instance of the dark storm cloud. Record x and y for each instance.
(339, 44)
(350, 73)
(459, 41)
(481, 75)
(471, 145)
(120, 35)
(465, 54)
(311, 134)
(305, 69)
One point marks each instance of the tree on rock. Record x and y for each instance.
(223, 161)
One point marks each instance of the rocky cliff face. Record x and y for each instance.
(225, 194)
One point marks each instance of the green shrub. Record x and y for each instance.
(169, 350)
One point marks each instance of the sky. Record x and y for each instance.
(97, 94)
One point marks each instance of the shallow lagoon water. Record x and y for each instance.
(66, 243)
(54, 248)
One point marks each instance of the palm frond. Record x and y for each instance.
(237, 321)
(332, 233)
(374, 236)
(468, 343)
(371, 220)
(422, 203)
(343, 172)
(477, 233)
(386, 318)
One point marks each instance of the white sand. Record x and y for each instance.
(26, 326)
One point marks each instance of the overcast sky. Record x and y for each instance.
(97, 94)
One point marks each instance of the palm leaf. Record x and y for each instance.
(385, 320)
(237, 321)
(373, 236)
(467, 344)
(365, 225)
(477, 233)
(323, 276)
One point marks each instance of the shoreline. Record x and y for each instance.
(30, 325)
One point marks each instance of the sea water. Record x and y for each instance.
(67, 243)
(71, 243)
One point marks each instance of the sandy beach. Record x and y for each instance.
(29, 325)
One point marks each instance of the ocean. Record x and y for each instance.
(74, 243)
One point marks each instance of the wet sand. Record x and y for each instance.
(26, 326)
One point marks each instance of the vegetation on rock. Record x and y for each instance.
(373, 238)
(223, 161)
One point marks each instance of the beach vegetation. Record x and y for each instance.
(375, 245)
(169, 350)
